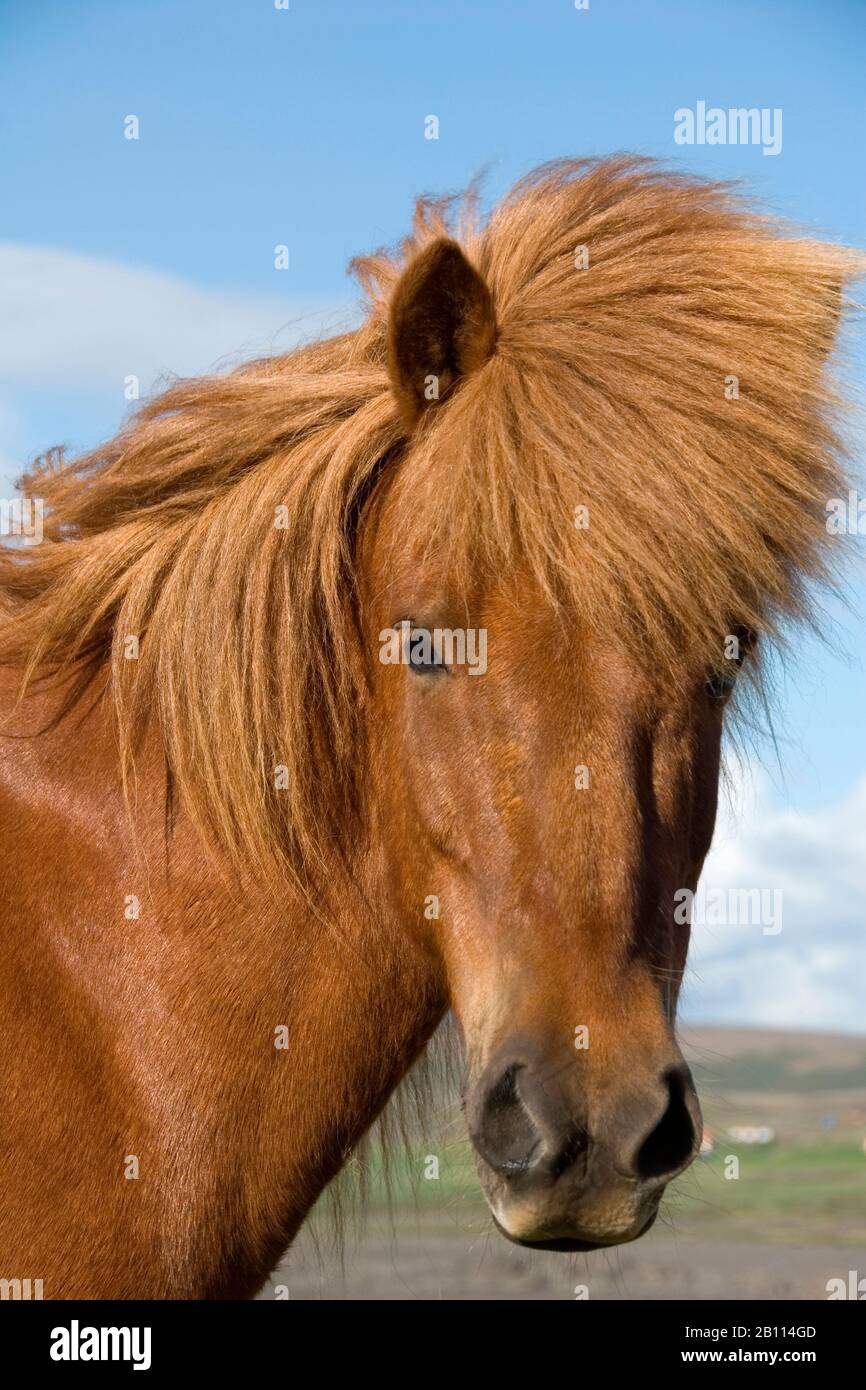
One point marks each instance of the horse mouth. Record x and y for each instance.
(578, 1244)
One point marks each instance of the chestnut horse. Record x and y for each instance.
(384, 677)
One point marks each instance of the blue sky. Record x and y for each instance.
(306, 127)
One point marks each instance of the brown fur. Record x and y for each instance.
(602, 387)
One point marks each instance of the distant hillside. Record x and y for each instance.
(752, 1059)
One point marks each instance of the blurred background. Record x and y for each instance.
(154, 157)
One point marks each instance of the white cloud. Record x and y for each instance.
(73, 320)
(812, 973)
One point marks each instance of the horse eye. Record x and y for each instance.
(424, 654)
(720, 683)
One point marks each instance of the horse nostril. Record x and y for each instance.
(672, 1143)
(523, 1126)
(506, 1136)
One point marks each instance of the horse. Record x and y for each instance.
(266, 819)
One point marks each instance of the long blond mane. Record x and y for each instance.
(218, 527)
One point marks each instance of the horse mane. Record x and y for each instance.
(219, 526)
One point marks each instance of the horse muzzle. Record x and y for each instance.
(563, 1172)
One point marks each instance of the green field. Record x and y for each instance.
(787, 1070)
(807, 1193)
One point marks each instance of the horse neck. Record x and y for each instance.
(324, 1018)
(243, 1044)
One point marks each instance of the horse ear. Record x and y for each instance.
(441, 327)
